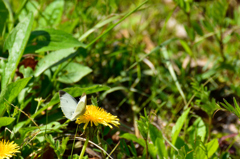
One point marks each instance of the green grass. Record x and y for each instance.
(168, 70)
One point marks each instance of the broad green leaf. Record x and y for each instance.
(52, 14)
(51, 39)
(78, 91)
(16, 128)
(152, 150)
(132, 137)
(181, 144)
(199, 152)
(68, 26)
(30, 6)
(212, 147)
(73, 72)
(11, 92)
(54, 58)
(27, 72)
(158, 141)
(5, 121)
(206, 151)
(15, 44)
(179, 124)
(3, 16)
(197, 129)
(200, 149)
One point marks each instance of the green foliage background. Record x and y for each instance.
(163, 67)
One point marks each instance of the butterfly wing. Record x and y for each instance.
(81, 107)
(68, 104)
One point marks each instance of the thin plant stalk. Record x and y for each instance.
(112, 26)
(99, 141)
(74, 139)
(84, 147)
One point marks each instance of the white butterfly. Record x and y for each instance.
(71, 109)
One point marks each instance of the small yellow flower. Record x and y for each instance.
(7, 149)
(97, 116)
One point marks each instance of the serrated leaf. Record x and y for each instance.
(15, 44)
(5, 121)
(73, 72)
(50, 40)
(11, 92)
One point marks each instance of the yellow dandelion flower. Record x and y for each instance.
(7, 149)
(97, 116)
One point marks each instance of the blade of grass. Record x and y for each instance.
(171, 70)
(112, 26)
(97, 26)
(154, 50)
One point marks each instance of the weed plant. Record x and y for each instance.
(168, 71)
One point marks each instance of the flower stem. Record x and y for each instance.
(84, 147)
